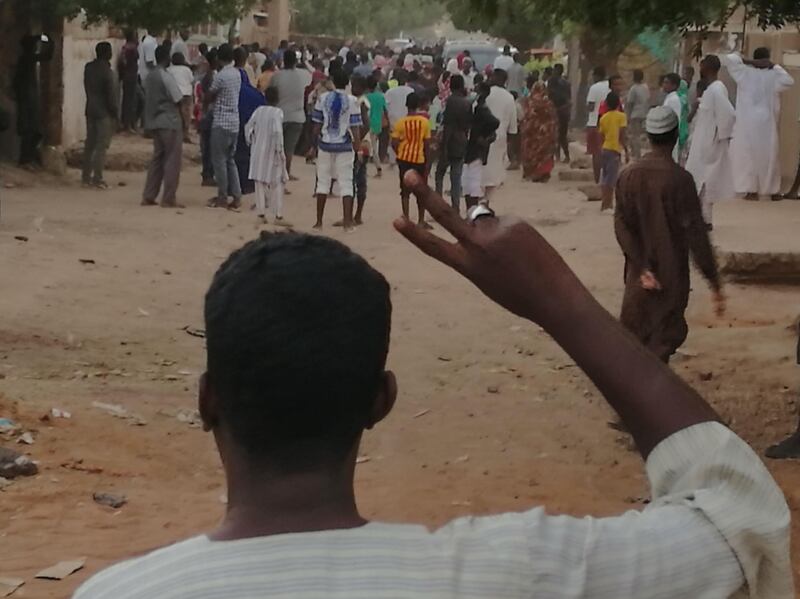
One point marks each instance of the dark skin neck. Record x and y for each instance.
(262, 502)
(664, 152)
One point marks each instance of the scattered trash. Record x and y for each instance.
(6, 425)
(461, 503)
(421, 413)
(445, 359)
(493, 389)
(86, 261)
(167, 272)
(143, 312)
(643, 500)
(115, 501)
(172, 377)
(14, 464)
(119, 412)
(55, 413)
(363, 459)
(26, 438)
(687, 353)
(462, 459)
(166, 362)
(186, 372)
(62, 569)
(194, 332)
(191, 417)
(20, 238)
(9, 585)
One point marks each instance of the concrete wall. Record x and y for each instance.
(270, 30)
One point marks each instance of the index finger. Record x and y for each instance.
(439, 209)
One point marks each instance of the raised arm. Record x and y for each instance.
(651, 400)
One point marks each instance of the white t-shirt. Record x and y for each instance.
(597, 93)
(183, 77)
(396, 102)
(717, 522)
(147, 53)
(337, 112)
(180, 47)
(503, 62)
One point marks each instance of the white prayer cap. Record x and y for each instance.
(661, 120)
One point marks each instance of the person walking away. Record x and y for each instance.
(293, 307)
(539, 128)
(128, 70)
(411, 142)
(516, 75)
(267, 71)
(672, 100)
(658, 223)
(597, 94)
(179, 46)
(224, 93)
(337, 132)
(501, 103)
(396, 105)
(755, 145)
(481, 137)
(709, 159)
(505, 60)
(364, 68)
(101, 115)
(560, 93)
(206, 118)
(291, 84)
(184, 78)
(636, 108)
(162, 121)
(612, 132)
(358, 86)
(378, 119)
(264, 135)
(456, 125)
(249, 100)
(36, 49)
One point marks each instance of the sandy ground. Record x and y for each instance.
(492, 416)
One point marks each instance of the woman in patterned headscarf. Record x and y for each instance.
(538, 129)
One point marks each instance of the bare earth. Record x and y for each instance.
(492, 416)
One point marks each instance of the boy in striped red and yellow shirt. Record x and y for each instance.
(411, 138)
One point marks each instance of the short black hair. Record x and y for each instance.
(761, 54)
(413, 76)
(103, 50)
(297, 334)
(289, 58)
(669, 139)
(674, 78)
(612, 101)
(268, 65)
(240, 55)
(225, 53)
(558, 68)
(712, 62)
(599, 73)
(500, 77)
(413, 101)
(358, 84)
(162, 55)
(178, 59)
(340, 79)
(638, 75)
(401, 76)
(614, 78)
(456, 83)
(372, 82)
(203, 48)
(271, 95)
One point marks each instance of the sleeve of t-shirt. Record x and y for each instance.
(426, 130)
(215, 83)
(623, 122)
(355, 113)
(172, 88)
(399, 130)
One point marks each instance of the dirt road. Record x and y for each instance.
(492, 414)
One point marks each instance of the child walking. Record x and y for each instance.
(264, 134)
(612, 130)
(411, 142)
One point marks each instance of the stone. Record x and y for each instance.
(592, 192)
(576, 176)
(577, 148)
(581, 162)
(14, 464)
(54, 160)
(114, 501)
(765, 267)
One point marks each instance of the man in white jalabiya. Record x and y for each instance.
(504, 108)
(264, 133)
(754, 149)
(672, 101)
(709, 157)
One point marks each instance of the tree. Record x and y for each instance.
(370, 18)
(156, 15)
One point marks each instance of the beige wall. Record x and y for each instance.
(270, 31)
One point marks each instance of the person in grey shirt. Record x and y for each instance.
(291, 84)
(101, 114)
(516, 76)
(637, 107)
(162, 119)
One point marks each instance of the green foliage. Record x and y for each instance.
(157, 15)
(368, 18)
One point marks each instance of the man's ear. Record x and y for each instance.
(207, 404)
(384, 400)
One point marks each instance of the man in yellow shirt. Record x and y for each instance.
(411, 138)
(612, 130)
